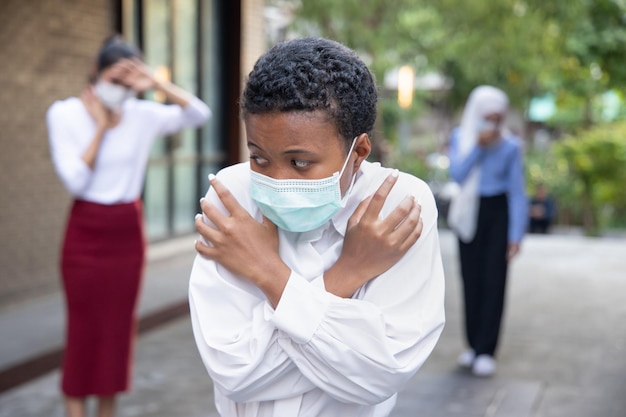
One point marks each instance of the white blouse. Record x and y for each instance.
(120, 167)
(318, 354)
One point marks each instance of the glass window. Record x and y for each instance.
(130, 22)
(211, 148)
(156, 50)
(156, 25)
(156, 201)
(179, 43)
(186, 201)
(185, 153)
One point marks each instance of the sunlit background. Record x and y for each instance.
(562, 64)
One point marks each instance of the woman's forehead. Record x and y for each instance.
(279, 129)
(493, 116)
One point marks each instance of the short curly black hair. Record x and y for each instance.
(313, 74)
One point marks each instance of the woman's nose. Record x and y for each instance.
(279, 173)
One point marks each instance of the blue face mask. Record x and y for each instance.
(486, 125)
(298, 205)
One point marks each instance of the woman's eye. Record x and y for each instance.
(299, 164)
(258, 160)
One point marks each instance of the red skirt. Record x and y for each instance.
(102, 267)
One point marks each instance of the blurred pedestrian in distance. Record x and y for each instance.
(489, 216)
(312, 295)
(542, 209)
(100, 143)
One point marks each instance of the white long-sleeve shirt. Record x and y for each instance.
(119, 172)
(316, 354)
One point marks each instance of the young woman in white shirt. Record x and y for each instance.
(100, 143)
(318, 289)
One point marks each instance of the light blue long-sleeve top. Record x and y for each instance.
(501, 173)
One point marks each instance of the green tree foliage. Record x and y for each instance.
(592, 41)
(572, 49)
(526, 47)
(386, 33)
(596, 159)
(506, 43)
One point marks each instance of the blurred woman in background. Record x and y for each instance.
(489, 216)
(100, 144)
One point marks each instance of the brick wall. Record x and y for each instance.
(47, 47)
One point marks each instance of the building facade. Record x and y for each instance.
(48, 46)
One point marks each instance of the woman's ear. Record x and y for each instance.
(362, 147)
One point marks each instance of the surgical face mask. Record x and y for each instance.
(486, 125)
(112, 95)
(299, 205)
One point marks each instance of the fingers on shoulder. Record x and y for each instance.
(409, 185)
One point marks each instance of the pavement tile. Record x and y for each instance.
(458, 393)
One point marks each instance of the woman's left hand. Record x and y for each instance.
(240, 243)
(134, 74)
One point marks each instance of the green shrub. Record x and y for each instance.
(596, 174)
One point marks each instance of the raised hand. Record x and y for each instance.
(133, 74)
(372, 245)
(488, 137)
(242, 245)
(103, 117)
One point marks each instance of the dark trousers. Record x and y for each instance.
(484, 269)
(540, 226)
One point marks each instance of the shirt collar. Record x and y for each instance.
(364, 184)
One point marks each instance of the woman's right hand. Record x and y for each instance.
(373, 245)
(103, 117)
(487, 138)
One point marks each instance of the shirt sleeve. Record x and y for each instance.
(238, 344)
(66, 154)
(173, 118)
(461, 167)
(362, 350)
(518, 202)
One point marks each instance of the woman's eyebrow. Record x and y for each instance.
(298, 151)
(252, 144)
(287, 152)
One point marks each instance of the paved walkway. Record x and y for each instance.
(563, 349)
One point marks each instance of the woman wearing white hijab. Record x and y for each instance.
(488, 215)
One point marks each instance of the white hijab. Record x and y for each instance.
(463, 213)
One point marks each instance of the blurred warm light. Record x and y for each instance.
(405, 86)
(161, 74)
